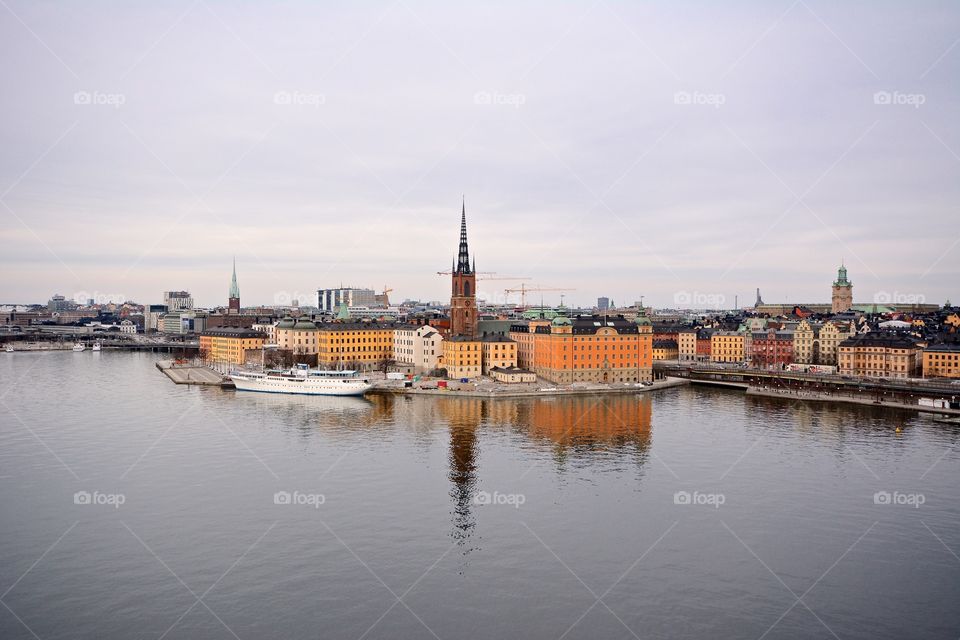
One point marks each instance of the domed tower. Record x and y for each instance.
(842, 298)
(463, 296)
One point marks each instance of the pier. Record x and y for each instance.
(189, 373)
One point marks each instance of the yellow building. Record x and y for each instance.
(498, 352)
(668, 349)
(354, 345)
(880, 354)
(941, 361)
(728, 346)
(462, 357)
(229, 345)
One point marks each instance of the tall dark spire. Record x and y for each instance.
(463, 260)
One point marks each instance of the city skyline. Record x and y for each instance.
(597, 151)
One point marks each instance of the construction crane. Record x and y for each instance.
(487, 275)
(524, 290)
(384, 298)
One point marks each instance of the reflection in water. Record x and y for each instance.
(464, 416)
(582, 425)
(307, 413)
(579, 425)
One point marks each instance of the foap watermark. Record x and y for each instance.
(914, 100)
(299, 498)
(299, 98)
(699, 299)
(495, 98)
(99, 499)
(897, 498)
(99, 98)
(897, 297)
(88, 298)
(512, 499)
(715, 100)
(699, 499)
(293, 299)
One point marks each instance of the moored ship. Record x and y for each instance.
(302, 380)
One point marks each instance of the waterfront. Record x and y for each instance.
(389, 540)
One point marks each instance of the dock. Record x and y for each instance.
(504, 390)
(191, 373)
(863, 399)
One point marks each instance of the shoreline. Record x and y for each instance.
(814, 396)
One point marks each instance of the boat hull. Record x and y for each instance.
(305, 387)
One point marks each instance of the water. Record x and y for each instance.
(582, 536)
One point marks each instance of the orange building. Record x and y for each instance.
(587, 349)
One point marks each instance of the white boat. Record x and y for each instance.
(303, 381)
(79, 346)
(97, 346)
(8, 349)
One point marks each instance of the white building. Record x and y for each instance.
(177, 300)
(420, 347)
(269, 329)
(329, 300)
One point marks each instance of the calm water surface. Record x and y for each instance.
(463, 518)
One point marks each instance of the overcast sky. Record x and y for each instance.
(670, 150)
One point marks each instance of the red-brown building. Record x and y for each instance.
(463, 297)
(772, 348)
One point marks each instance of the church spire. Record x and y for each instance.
(234, 287)
(463, 260)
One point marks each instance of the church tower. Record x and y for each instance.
(842, 298)
(233, 301)
(463, 297)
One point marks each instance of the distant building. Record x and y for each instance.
(177, 300)
(183, 322)
(603, 303)
(880, 354)
(60, 303)
(329, 300)
(842, 298)
(151, 317)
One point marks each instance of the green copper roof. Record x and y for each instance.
(343, 313)
(841, 280)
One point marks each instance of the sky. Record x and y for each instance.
(686, 153)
